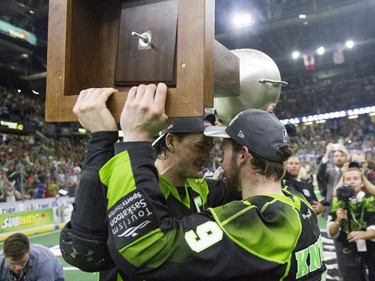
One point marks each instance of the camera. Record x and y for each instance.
(336, 146)
(345, 192)
(355, 164)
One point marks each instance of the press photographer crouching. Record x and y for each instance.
(352, 225)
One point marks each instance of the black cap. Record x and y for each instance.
(184, 125)
(261, 131)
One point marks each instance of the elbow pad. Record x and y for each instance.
(85, 251)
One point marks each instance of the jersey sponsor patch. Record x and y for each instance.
(130, 218)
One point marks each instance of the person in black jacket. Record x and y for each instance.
(292, 180)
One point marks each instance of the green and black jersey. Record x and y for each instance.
(268, 237)
(197, 195)
(88, 221)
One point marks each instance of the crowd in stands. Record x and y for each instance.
(327, 95)
(18, 107)
(39, 165)
(32, 169)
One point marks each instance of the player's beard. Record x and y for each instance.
(232, 176)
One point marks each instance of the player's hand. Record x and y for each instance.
(92, 111)
(143, 115)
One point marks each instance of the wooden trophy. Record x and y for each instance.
(119, 43)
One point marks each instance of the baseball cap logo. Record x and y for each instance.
(241, 134)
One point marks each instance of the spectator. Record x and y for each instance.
(292, 179)
(329, 173)
(360, 158)
(371, 171)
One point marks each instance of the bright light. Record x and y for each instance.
(302, 16)
(19, 91)
(349, 44)
(320, 50)
(35, 92)
(295, 55)
(242, 20)
(319, 118)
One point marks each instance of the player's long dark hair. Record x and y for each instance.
(161, 150)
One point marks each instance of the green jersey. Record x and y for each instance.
(268, 237)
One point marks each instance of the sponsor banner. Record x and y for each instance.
(24, 220)
(34, 204)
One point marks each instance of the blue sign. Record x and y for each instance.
(16, 32)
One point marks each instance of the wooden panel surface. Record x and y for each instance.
(82, 53)
(137, 63)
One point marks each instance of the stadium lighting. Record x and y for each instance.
(295, 55)
(320, 50)
(349, 44)
(320, 118)
(242, 20)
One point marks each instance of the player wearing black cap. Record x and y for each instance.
(181, 151)
(269, 235)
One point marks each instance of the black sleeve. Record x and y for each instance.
(83, 239)
(89, 211)
(321, 177)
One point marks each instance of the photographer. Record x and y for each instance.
(352, 225)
